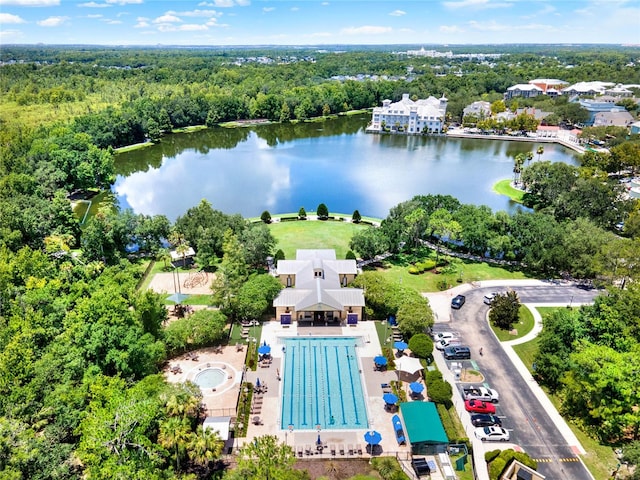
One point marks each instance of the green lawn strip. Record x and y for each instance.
(600, 459)
(430, 281)
(503, 187)
(199, 299)
(292, 236)
(524, 326)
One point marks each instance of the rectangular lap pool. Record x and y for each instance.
(322, 384)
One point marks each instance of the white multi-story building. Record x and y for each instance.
(407, 116)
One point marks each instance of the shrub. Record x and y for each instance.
(322, 212)
(414, 270)
(432, 376)
(350, 255)
(302, 214)
(426, 265)
(421, 345)
(496, 468)
(279, 255)
(266, 217)
(440, 392)
(356, 217)
(491, 455)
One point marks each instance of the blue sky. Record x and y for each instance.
(310, 22)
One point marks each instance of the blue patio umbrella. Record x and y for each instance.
(177, 297)
(400, 345)
(264, 349)
(416, 387)
(257, 382)
(318, 441)
(380, 360)
(372, 437)
(390, 398)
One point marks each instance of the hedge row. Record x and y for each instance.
(422, 267)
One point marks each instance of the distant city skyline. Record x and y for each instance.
(307, 22)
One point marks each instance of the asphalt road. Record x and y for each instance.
(521, 412)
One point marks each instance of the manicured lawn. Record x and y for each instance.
(503, 187)
(314, 234)
(526, 352)
(432, 282)
(524, 326)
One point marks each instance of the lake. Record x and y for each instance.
(281, 168)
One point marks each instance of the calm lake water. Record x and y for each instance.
(281, 168)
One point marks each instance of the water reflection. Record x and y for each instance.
(283, 167)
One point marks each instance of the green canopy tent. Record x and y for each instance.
(424, 429)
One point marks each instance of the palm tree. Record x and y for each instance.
(540, 151)
(529, 156)
(517, 167)
(204, 446)
(174, 435)
(163, 255)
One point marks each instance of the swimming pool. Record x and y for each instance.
(322, 384)
(210, 378)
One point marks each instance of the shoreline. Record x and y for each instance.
(457, 133)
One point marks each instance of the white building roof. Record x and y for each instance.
(586, 87)
(525, 87)
(218, 424)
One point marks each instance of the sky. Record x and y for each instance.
(311, 22)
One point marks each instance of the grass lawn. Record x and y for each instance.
(524, 326)
(314, 234)
(430, 282)
(503, 187)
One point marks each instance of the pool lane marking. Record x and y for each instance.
(292, 352)
(344, 421)
(353, 390)
(304, 385)
(326, 369)
(315, 376)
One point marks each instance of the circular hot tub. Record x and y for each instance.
(210, 378)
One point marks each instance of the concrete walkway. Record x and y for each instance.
(441, 305)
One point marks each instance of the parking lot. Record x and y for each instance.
(529, 425)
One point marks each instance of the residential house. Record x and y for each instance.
(524, 90)
(600, 105)
(478, 109)
(617, 119)
(408, 116)
(316, 289)
(582, 89)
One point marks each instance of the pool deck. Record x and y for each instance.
(379, 418)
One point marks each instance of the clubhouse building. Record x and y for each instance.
(409, 117)
(316, 289)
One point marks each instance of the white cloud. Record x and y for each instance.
(167, 19)
(268, 9)
(197, 13)
(225, 3)
(31, 3)
(95, 15)
(189, 27)
(398, 13)
(53, 21)
(143, 22)
(6, 18)
(324, 4)
(450, 29)
(477, 4)
(94, 5)
(123, 2)
(366, 30)
(294, 9)
(109, 21)
(214, 23)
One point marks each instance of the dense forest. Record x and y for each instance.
(81, 347)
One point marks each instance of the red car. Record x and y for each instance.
(478, 406)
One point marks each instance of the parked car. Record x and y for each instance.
(458, 301)
(498, 434)
(443, 336)
(480, 393)
(478, 406)
(447, 342)
(485, 420)
(488, 298)
(457, 352)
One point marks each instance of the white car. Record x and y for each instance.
(488, 298)
(443, 336)
(447, 342)
(492, 434)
